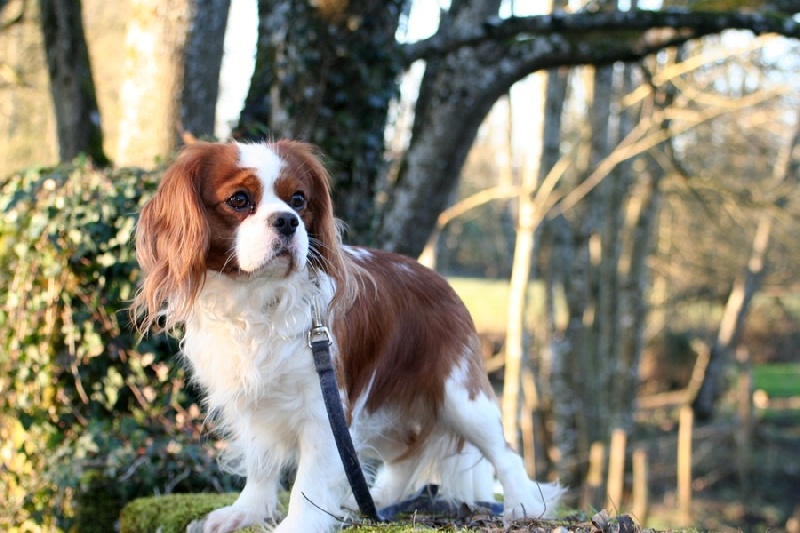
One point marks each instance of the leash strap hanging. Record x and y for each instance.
(319, 340)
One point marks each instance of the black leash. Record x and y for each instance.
(319, 340)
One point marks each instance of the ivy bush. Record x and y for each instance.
(91, 415)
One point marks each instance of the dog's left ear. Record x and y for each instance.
(327, 254)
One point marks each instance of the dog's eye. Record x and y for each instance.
(297, 201)
(240, 201)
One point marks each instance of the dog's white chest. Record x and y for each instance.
(247, 343)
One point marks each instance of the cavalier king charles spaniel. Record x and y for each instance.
(236, 243)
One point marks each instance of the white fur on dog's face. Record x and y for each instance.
(258, 244)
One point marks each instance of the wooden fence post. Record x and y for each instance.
(616, 471)
(744, 430)
(527, 427)
(685, 464)
(593, 488)
(640, 504)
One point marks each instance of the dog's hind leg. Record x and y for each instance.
(466, 476)
(476, 418)
(394, 482)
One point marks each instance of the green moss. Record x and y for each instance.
(170, 513)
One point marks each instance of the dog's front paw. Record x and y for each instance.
(535, 500)
(306, 524)
(232, 518)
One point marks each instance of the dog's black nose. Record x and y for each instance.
(285, 223)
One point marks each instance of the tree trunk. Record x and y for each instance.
(152, 81)
(589, 284)
(732, 323)
(602, 229)
(527, 223)
(202, 62)
(640, 225)
(27, 129)
(71, 84)
(326, 73)
(455, 95)
(550, 352)
(786, 169)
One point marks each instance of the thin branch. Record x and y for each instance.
(502, 192)
(639, 141)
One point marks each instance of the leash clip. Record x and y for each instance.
(318, 331)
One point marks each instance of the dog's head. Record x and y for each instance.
(243, 210)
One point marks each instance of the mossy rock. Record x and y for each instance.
(173, 513)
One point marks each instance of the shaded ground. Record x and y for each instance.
(599, 523)
(758, 495)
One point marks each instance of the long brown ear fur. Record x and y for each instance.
(328, 255)
(172, 243)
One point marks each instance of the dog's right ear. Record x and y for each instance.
(172, 238)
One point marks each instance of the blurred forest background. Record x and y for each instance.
(611, 185)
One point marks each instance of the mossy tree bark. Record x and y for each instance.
(201, 66)
(326, 73)
(71, 84)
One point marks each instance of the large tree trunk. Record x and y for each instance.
(202, 61)
(455, 95)
(71, 84)
(152, 81)
(326, 73)
(27, 127)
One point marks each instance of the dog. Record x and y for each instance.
(236, 243)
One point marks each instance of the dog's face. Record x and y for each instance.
(254, 210)
(239, 209)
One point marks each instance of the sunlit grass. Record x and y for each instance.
(487, 301)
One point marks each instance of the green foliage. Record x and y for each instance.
(84, 400)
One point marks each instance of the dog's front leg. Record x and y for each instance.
(256, 503)
(320, 488)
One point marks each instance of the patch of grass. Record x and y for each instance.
(487, 301)
(778, 380)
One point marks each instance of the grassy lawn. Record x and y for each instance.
(778, 380)
(487, 301)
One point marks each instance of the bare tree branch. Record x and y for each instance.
(654, 28)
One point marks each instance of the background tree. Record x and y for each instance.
(27, 127)
(152, 81)
(202, 60)
(327, 72)
(79, 129)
